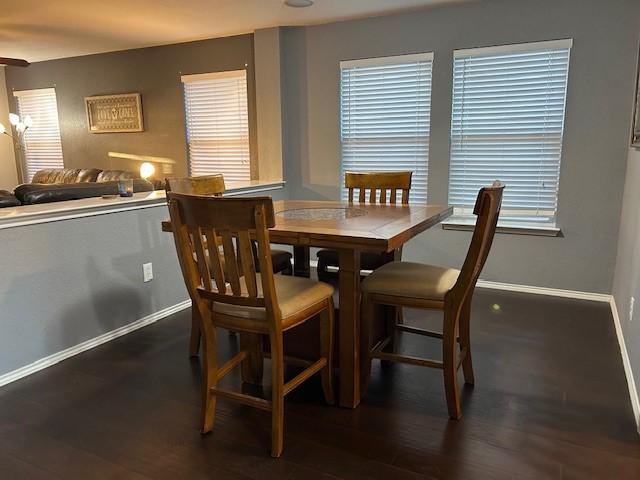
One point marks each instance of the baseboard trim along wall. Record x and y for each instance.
(149, 319)
(91, 343)
(633, 392)
(575, 294)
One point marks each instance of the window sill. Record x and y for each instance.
(508, 228)
(253, 186)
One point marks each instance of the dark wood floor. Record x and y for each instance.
(550, 401)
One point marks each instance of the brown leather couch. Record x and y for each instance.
(59, 184)
(80, 175)
(8, 199)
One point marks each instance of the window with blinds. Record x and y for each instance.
(385, 108)
(217, 122)
(41, 144)
(507, 123)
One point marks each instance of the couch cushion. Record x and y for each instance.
(32, 193)
(56, 175)
(111, 175)
(88, 175)
(7, 199)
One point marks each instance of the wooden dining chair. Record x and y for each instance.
(372, 187)
(257, 304)
(213, 185)
(415, 285)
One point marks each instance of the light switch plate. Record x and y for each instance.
(147, 272)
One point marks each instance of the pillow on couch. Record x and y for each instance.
(66, 175)
(111, 175)
(32, 193)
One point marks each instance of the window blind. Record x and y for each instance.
(41, 143)
(217, 122)
(507, 123)
(385, 108)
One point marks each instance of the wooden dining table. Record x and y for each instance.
(350, 229)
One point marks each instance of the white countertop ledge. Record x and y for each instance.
(87, 207)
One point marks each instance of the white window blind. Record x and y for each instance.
(217, 121)
(385, 107)
(507, 123)
(41, 143)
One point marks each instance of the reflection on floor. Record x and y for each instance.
(550, 401)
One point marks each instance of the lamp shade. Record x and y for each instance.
(14, 119)
(2, 128)
(146, 170)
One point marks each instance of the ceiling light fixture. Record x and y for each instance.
(298, 3)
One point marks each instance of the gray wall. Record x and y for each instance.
(8, 171)
(626, 282)
(69, 281)
(600, 90)
(153, 72)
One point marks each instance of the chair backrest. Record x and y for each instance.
(487, 209)
(378, 183)
(229, 222)
(203, 185)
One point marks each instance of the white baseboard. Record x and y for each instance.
(89, 344)
(553, 292)
(556, 292)
(633, 392)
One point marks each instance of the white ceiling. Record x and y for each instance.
(45, 29)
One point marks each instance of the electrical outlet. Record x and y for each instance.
(147, 272)
(631, 304)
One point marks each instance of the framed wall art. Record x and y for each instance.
(114, 113)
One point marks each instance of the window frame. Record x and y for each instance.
(463, 218)
(250, 142)
(23, 138)
(395, 60)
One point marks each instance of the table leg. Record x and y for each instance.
(301, 259)
(349, 328)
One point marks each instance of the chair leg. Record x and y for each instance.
(367, 314)
(277, 395)
(465, 342)
(449, 356)
(391, 316)
(210, 379)
(194, 342)
(326, 351)
(252, 366)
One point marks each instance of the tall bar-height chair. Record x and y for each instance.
(373, 187)
(260, 304)
(416, 285)
(213, 185)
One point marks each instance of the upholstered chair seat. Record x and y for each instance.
(295, 295)
(412, 280)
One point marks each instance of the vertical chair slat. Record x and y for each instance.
(203, 264)
(383, 195)
(230, 262)
(393, 196)
(350, 195)
(372, 195)
(213, 243)
(362, 198)
(245, 252)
